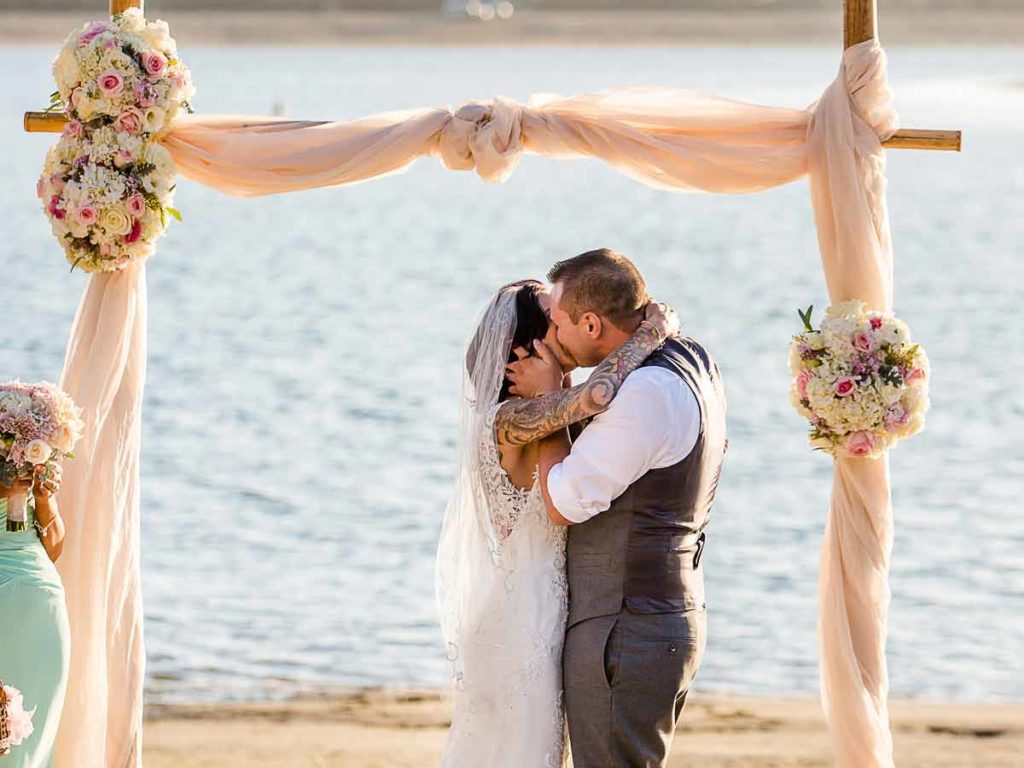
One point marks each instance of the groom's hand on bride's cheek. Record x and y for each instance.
(533, 376)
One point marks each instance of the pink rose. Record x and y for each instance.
(54, 209)
(136, 232)
(110, 82)
(916, 374)
(860, 444)
(154, 63)
(74, 129)
(57, 182)
(844, 386)
(136, 205)
(129, 121)
(876, 322)
(86, 215)
(802, 379)
(40, 188)
(97, 29)
(863, 341)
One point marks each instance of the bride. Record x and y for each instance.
(501, 584)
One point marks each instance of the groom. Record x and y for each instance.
(636, 489)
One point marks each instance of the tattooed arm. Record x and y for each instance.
(523, 421)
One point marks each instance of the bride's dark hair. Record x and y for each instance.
(531, 323)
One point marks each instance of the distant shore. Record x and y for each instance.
(385, 729)
(533, 27)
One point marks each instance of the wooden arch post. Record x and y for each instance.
(860, 23)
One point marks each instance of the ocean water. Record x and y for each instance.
(305, 351)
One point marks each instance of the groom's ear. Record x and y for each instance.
(591, 325)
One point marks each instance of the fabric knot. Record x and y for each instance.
(486, 136)
(865, 68)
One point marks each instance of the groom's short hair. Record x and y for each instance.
(603, 282)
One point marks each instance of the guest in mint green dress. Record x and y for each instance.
(34, 636)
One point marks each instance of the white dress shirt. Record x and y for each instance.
(653, 422)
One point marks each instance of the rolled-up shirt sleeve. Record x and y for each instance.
(652, 422)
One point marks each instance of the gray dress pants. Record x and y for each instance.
(626, 677)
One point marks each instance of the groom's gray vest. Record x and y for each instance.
(643, 553)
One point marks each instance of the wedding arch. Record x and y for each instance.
(671, 139)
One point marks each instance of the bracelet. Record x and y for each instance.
(657, 334)
(44, 530)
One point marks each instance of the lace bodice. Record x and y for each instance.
(508, 502)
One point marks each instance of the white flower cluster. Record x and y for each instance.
(859, 380)
(107, 185)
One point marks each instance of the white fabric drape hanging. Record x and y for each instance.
(679, 140)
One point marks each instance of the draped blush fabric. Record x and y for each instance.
(848, 123)
(671, 139)
(104, 371)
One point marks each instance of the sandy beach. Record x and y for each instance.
(385, 729)
(947, 26)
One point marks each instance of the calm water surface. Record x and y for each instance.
(304, 357)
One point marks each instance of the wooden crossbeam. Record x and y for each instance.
(859, 24)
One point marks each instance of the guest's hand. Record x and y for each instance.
(663, 318)
(18, 488)
(535, 375)
(46, 484)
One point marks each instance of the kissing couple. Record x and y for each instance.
(569, 578)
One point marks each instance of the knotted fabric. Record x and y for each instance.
(486, 137)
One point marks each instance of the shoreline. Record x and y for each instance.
(385, 728)
(953, 27)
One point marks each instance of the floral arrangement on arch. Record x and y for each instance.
(107, 184)
(39, 425)
(859, 380)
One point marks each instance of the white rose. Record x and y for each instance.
(158, 35)
(67, 72)
(154, 119)
(132, 20)
(38, 452)
(84, 106)
(115, 221)
(64, 438)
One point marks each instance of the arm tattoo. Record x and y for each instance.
(519, 422)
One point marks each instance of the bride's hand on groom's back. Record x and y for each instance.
(535, 375)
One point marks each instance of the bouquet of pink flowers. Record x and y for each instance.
(39, 425)
(15, 722)
(107, 185)
(859, 380)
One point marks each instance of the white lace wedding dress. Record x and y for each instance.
(508, 684)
